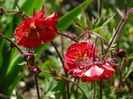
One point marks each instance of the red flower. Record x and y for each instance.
(79, 62)
(78, 56)
(36, 30)
(97, 71)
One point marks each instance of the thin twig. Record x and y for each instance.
(67, 37)
(118, 28)
(96, 34)
(37, 87)
(64, 78)
(4, 96)
(120, 25)
(121, 72)
(62, 45)
(12, 11)
(101, 89)
(61, 59)
(60, 6)
(13, 43)
(94, 90)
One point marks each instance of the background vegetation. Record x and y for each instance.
(75, 16)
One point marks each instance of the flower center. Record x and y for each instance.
(81, 59)
(31, 30)
(33, 26)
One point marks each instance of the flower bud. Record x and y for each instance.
(1, 11)
(120, 90)
(34, 69)
(29, 56)
(120, 53)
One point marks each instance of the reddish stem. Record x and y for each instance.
(37, 87)
(67, 85)
(118, 28)
(67, 37)
(13, 43)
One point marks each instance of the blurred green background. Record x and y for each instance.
(74, 17)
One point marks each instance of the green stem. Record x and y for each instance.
(101, 89)
(100, 6)
(120, 78)
(94, 85)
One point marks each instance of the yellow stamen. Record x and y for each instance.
(32, 26)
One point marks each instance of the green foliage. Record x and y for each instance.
(52, 87)
(101, 22)
(10, 71)
(66, 20)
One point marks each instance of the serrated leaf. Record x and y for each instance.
(100, 22)
(80, 22)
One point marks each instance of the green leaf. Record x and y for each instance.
(28, 6)
(9, 70)
(40, 50)
(80, 23)
(66, 20)
(100, 22)
(129, 70)
(130, 57)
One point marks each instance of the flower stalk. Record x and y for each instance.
(101, 88)
(119, 27)
(61, 59)
(67, 36)
(13, 43)
(94, 92)
(36, 83)
(120, 78)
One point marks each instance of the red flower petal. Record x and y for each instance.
(39, 14)
(28, 43)
(70, 67)
(92, 74)
(109, 71)
(52, 19)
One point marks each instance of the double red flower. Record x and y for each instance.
(79, 62)
(36, 30)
